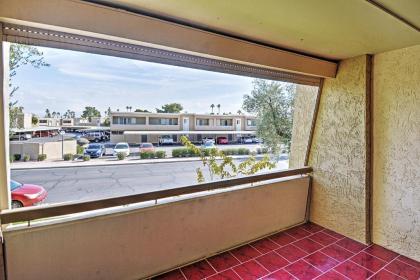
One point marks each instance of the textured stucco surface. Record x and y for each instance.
(396, 174)
(338, 153)
(305, 100)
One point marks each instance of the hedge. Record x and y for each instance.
(42, 157)
(68, 157)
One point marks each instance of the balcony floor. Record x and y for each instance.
(304, 252)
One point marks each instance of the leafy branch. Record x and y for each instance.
(223, 166)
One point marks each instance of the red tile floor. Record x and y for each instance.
(304, 252)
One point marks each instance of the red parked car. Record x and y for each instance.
(26, 194)
(222, 140)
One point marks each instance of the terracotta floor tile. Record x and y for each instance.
(385, 275)
(291, 253)
(411, 262)
(303, 270)
(279, 275)
(337, 252)
(282, 238)
(351, 245)
(225, 275)
(264, 245)
(321, 261)
(272, 261)
(308, 245)
(353, 271)
(368, 261)
(198, 270)
(332, 275)
(313, 228)
(333, 234)
(172, 275)
(250, 270)
(245, 253)
(381, 253)
(404, 270)
(323, 238)
(223, 261)
(298, 232)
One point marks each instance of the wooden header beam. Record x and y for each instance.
(88, 19)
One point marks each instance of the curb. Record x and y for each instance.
(137, 161)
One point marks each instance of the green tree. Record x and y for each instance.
(21, 55)
(90, 112)
(35, 120)
(69, 114)
(47, 113)
(272, 103)
(223, 166)
(170, 108)
(143, 111)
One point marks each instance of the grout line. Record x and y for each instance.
(185, 277)
(362, 266)
(397, 259)
(211, 267)
(383, 268)
(333, 269)
(313, 266)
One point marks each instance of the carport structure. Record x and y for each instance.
(355, 178)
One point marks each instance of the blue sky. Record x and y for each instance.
(75, 80)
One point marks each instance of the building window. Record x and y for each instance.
(124, 120)
(251, 122)
(163, 121)
(117, 132)
(225, 122)
(203, 122)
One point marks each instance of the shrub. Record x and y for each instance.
(147, 155)
(160, 154)
(120, 156)
(68, 157)
(243, 151)
(26, 157)
(185, 152)
(42, 157)
(11, 158)
(205, 152)
(176, 152)
(17, 156)
(86, 157)
(80, 150)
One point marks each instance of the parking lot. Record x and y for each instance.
(94, 182)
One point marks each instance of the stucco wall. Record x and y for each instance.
(138, 243)
(396, 174)
(305, 100)
(338, 153)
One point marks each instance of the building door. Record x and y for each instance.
(143, 138)
(238, 124)
(186, 124)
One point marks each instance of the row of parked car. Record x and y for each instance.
(222, 140)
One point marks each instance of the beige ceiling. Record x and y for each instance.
(333, 29)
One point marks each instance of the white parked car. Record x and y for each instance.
(208, 139)
(166, 139)
(122, 147)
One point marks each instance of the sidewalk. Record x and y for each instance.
(103, 161)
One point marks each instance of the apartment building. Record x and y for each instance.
(136, 127)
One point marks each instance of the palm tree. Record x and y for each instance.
(239, 112)
(47, 113)
(126, 107)
(218, 109)
(212, 108)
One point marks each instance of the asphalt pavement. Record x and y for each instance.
(95, 182)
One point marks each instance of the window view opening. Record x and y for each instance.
(86, 126)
